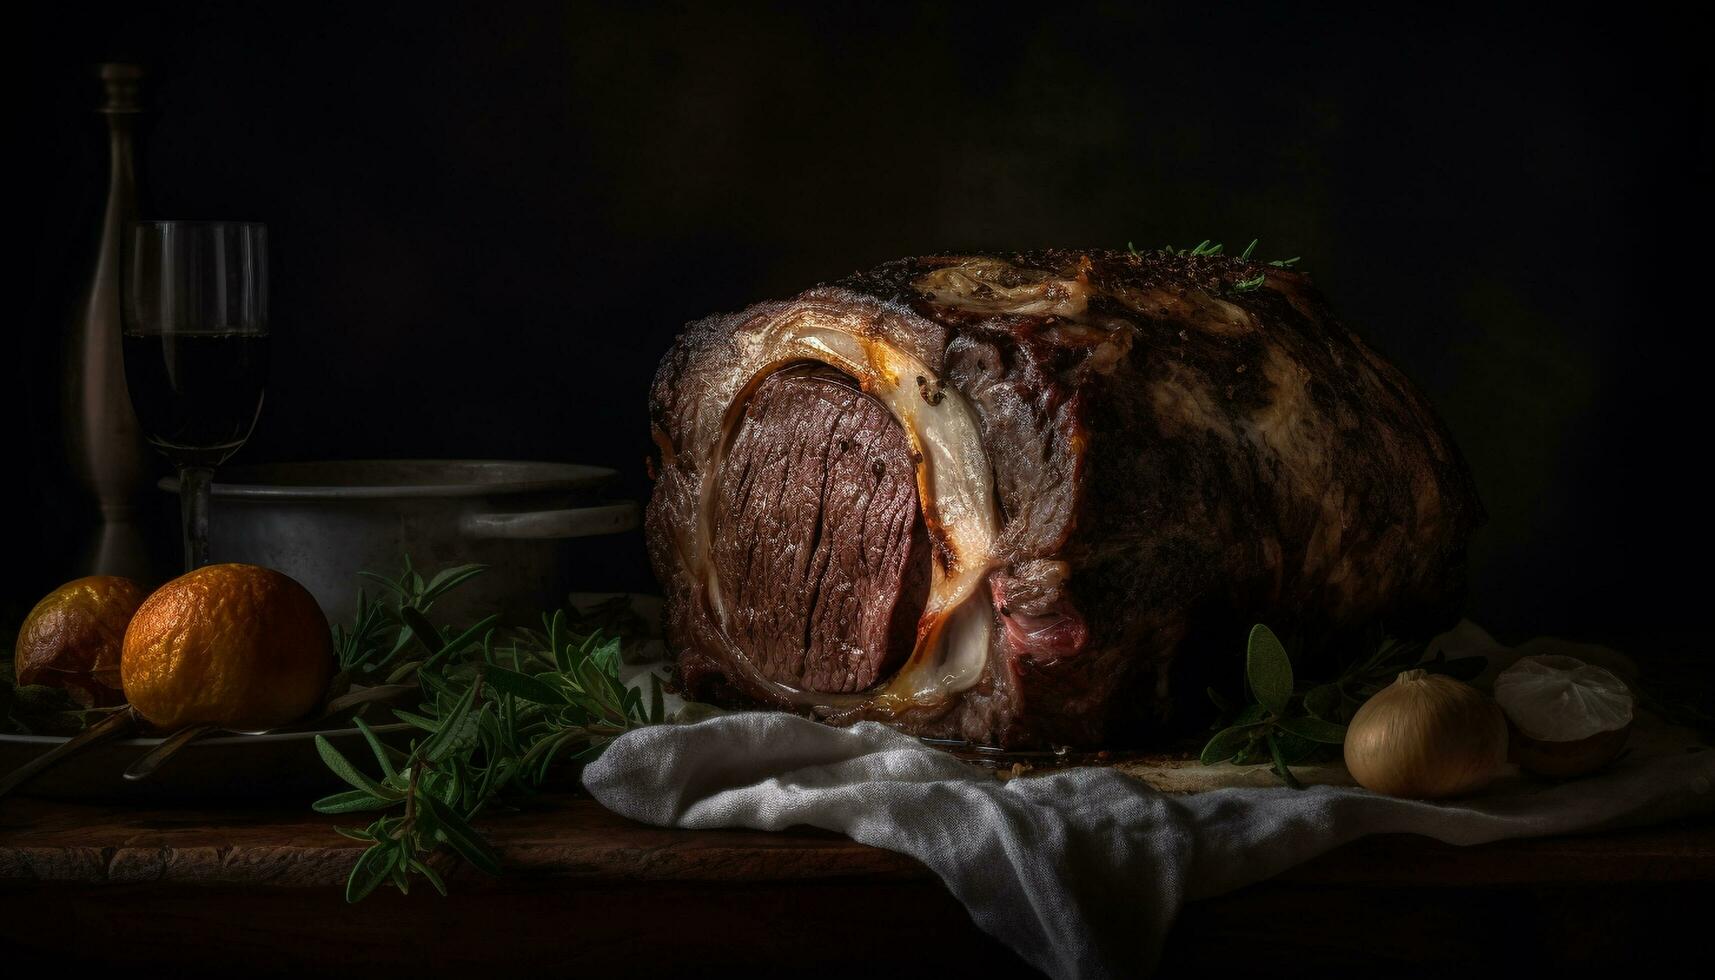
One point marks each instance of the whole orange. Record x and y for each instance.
(72, 638)
(239, 646)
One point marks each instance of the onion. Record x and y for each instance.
(1568, 717)
(1426, 736)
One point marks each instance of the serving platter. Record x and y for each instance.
(228, 767)
(281, 764)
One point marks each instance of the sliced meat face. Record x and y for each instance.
(819, 544)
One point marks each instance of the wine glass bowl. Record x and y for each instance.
(195, 313)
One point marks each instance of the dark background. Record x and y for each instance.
(487, 226)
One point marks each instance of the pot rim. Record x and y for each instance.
(249, 482)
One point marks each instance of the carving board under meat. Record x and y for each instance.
(1038, 499)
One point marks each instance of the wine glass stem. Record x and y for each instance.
(193, 506)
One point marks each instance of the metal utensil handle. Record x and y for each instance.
(145, 767)
(576, 522)
(117, 725)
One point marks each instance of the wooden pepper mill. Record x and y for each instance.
(102, 441)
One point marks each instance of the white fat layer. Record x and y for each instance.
(989, 285)
(954, 489)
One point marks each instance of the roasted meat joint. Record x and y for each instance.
(1032, 500)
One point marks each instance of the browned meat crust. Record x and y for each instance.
(1173, 458)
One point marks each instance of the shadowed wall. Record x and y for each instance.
(487, 227)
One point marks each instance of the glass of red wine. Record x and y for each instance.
(195, 311)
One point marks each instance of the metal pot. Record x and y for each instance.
(323, 522)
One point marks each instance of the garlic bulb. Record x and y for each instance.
(1426, 736)
(1568, 717)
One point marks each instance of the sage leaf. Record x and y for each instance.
(1315, 729)
(1252, 714)
(1268, 669)
(1323, 701)
(1228, 743)
(1297, 750)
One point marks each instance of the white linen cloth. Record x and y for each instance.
(1080, 871)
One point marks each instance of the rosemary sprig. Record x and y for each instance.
(1286, 723)
(377, 637)
(493, 722)
(1207, 248)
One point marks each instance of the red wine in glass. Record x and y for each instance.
(196, 395)
(195, 305)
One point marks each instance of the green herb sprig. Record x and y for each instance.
(38, 709)
(494, 722)
(379, 635)
(1208, 248)
(1286, 723)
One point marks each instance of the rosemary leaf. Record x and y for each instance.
(343, 768)
(351, 801)
(486, 730)
(374, 866)
(522, 686)
(457, 834)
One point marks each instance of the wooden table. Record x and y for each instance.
(259, 890)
